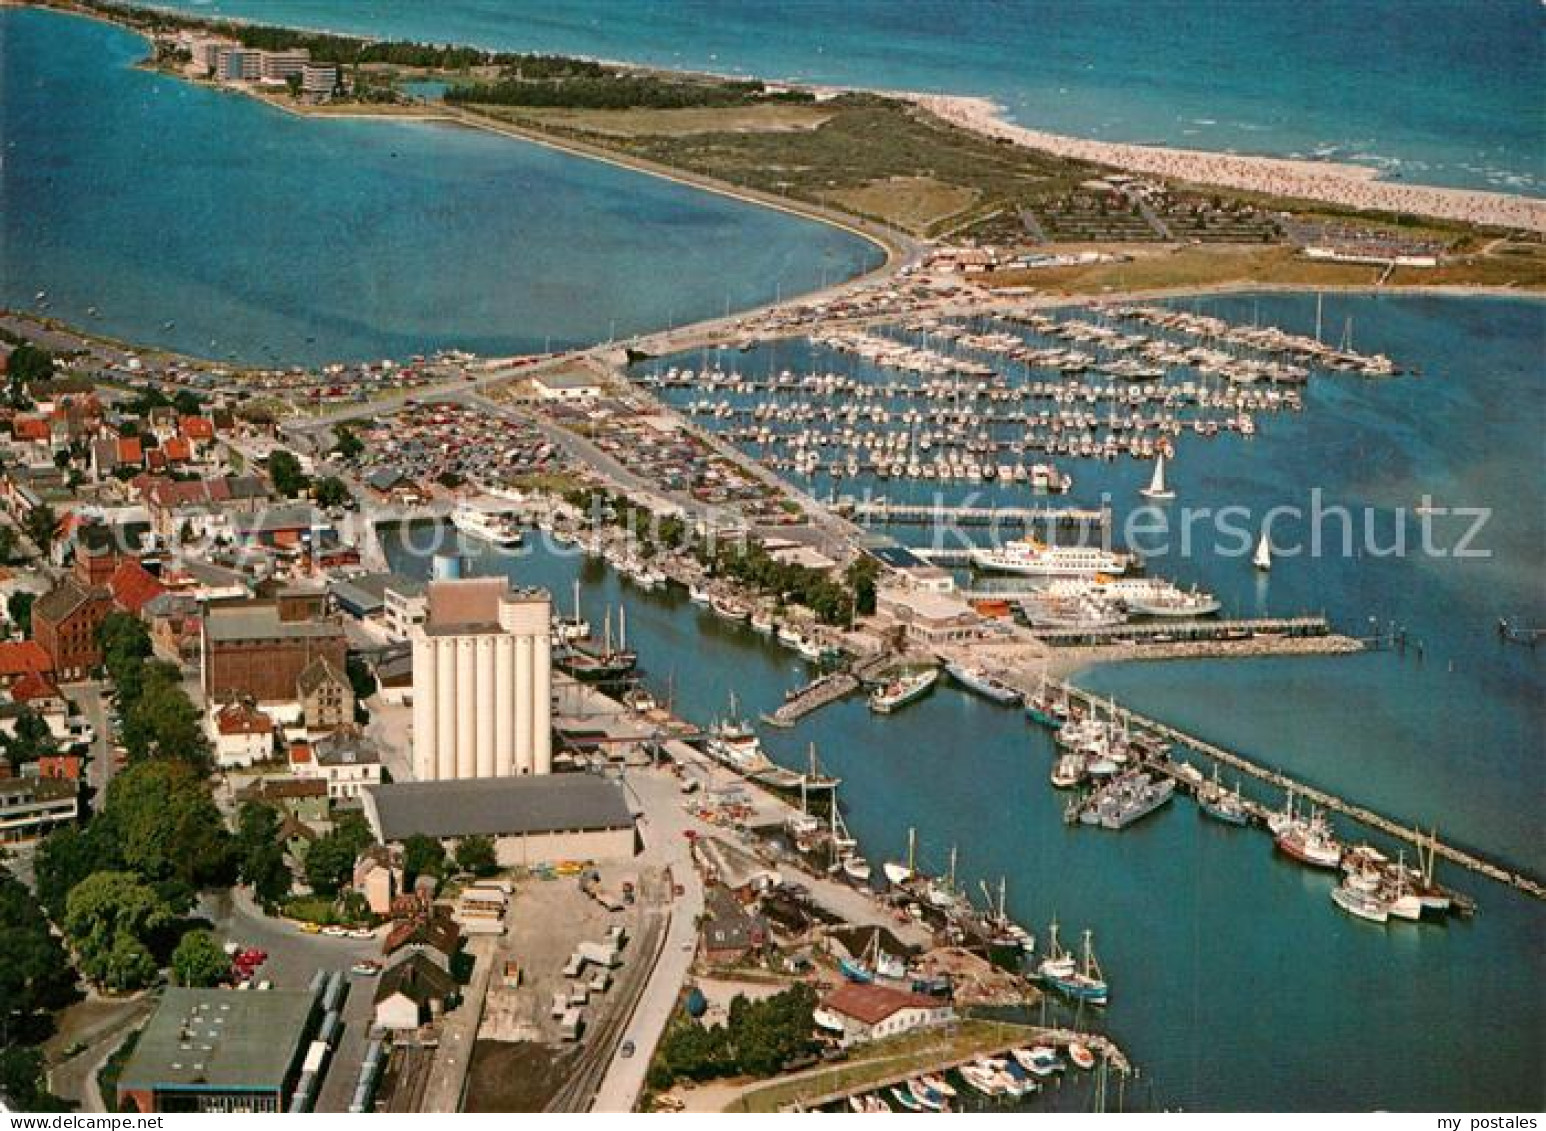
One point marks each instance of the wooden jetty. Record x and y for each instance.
(1102, 1046)
(1316, 796)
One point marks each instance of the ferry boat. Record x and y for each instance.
(903, 690)
(975, 679)
(497, 529)
(1031, 558)
(1080, 980)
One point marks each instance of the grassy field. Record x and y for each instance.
(767, 117)
(871, 156)
(1219, 265)
(882, 1061)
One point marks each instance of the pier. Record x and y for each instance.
(884, 512)
(1326, 800)
(812, 697)
(1150, 632)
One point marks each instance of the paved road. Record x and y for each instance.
(459, 1032)
(76, 1079)
(662, 824)
(90, 699)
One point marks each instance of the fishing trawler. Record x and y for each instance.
(1309, 840)
(589, 662)
(903, 690)
(1128, 799)
(1080, 979)
(733, 740)
(1222, 805)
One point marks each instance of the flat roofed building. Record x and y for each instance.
(482, 682)
(30, 807)
(531, 820)
(219, 1051)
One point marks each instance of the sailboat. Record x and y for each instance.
(1157, 490)
(899, 874)
(1262, 559)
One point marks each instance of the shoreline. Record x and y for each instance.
(1340, 184)
(1349, 186)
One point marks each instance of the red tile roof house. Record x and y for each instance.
(66, 767)
(872, 1012)
(133, 587)
(18, 658)
(241, 735)
(65, 622)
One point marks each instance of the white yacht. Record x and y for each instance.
(1034, 559)
(489, 526)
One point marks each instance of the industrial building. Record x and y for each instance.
(482, 682)
(219, 1051)
(532, 820)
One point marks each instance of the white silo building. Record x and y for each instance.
(482, 682)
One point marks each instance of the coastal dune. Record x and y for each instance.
(1350, 186)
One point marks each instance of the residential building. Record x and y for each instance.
(31, 807)
(404, 606)
(65, 622)
(219, 1051)
(531, 820)
(240, 735)
(282, 65)
(345, 759)
(22, 657)
(238, 64)
(326, 696)
(482, 682)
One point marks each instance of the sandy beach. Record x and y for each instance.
(1347, 185)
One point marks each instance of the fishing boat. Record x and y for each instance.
(1081, 1055)
(1359, 895)
(1127, 799)
(857, 870)
(1157, 490)
(1069, 770)
(572, 628)
(1045, 709)
(928, 1099)
(975, 679)
(1262, 559)
(869, 1105)
(1072, 977)
(984, 1078)
(762, 622)
(905, 1097)
(1038, 1060)
(905, 689)
(937, 1083)
(855, 971)
(898, 874)
(1215, 801)
(733, 741)
(730, 608)
(488, 526)
(603, 663)
(698, 594)
(1031, 558)
(1310, 841)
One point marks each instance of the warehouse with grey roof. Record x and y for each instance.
(532, 820)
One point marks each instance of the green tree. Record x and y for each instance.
(187, 402)
(18, 607)
(259, 856)
(35, 975)
(67, 856)
(862, 576)
(28, 364)
(7, 543)
(423, 856)
(30, 738)
(22, 1081)
(330, 863)
(109, 919)
(124, 641)
(348, 445)
(166, 823)
(332, 492)
(284, 470)
(41, 525)
(476, 854)
(199, 961)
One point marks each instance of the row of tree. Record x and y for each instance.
(759, 1038)
(35, 982)
(159, 719)
(617, 92)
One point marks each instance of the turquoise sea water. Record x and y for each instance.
(1236, 983)
(1436, 91)
(279, 239)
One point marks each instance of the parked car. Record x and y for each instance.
(627, 1050)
